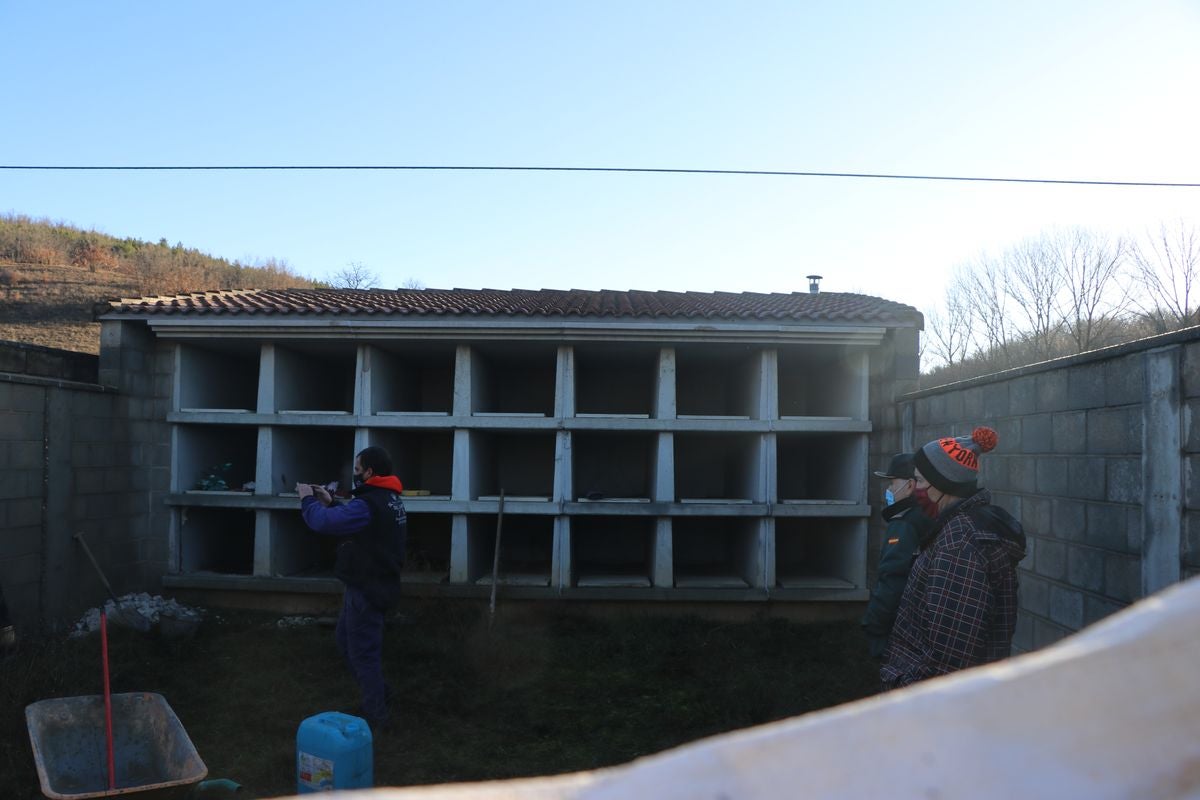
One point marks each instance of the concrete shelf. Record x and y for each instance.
(308, 378)
(820, 553)
(200, 453)
(217, 377)
(408, 378)
(216, 540)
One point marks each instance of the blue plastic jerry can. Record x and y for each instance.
(333, 751)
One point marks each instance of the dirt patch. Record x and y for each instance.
(52, 306)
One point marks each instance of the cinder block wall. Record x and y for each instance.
(79, 456)
(1095, 457)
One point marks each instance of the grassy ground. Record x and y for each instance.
(531, 697)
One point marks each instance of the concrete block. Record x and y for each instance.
(1037, 434)
(1125, 480)
(1022, 395)
(1068, 519)
(1114, 431)
(1122, 578)
(1189, 425)
(22, 397)
(1051, 560)
(1008, 429)
(973, 409)
(993, 472)
(1034, 594)
(1085, 568)
(955, 406)
(1133, 529)
(1066, 607)
(1124, 380)
(1052, 391)
(15, 542)
(1097, 608)
(18, 425)
(89, 480)
(1069, 432)
(1085, 384)
(24, 511)
(1009, 502)
(1107, 527)
(1189, 371)
(20, 570)
(1022, 475)
(1190, 546)
(995, 401)
(1046, 633)
(25, 455)
(1052, 475)
(1036, 516)
(1086, 477)
(1023, 634)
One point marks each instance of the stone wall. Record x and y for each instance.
(1095, 457)
(80, 457)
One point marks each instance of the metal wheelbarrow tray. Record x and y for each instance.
(153, 755)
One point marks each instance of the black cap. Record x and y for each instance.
(901, 467)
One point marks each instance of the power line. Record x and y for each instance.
(654, 170)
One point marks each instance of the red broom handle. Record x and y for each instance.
(112, 772)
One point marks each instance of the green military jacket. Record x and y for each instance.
(907, 525)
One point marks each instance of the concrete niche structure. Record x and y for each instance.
(650, 445)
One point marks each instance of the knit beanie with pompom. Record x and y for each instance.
(952, 464)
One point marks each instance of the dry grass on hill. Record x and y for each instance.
(52, 305)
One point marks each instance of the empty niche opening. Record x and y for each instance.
(427, 550)
(526, 549)
(513, 381)
(216, 540)
(215, 458)
(299, 552)
(615, 382)
(718, 468)
(219, 377)
(615, 551)
(819, 553)
(821, 468)
(421, 459)
(819, 381)
(311, 455)
(613, 467)
(412, 379)
(715, 552)
(315, 378)
(522, 464)
(717, 382)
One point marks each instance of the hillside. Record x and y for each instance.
(52, 274)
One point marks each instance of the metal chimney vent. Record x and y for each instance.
(814, 284)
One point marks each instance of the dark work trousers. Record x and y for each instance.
(360, 639)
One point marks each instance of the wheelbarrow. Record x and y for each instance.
(153, 756)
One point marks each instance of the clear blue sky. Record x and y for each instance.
(1087, 90)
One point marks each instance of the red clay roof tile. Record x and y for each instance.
(797, 306)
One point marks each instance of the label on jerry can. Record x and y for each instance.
(316, 772)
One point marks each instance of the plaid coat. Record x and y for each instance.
(959, 607)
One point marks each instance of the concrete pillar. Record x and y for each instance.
(460, 479)
(362, 381)
(462, 382)
(562, 468)
(560, 560)
(1162, 470)
(906, 427)
(262, 542)
(664, 390)
(767, 401)
(564, 383)
(177, 377)
(266, 379)
(768, 554)
(664, 469)
(459, 552)
(664, 571)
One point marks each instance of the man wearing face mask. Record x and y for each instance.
(959, 608)
(907, 524)
(374, 526)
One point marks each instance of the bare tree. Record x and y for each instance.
(1091, 266)
(412, 283)
(354, 275)
(950, 333)
(981, 284)
(1167, 263)
(1033, 280)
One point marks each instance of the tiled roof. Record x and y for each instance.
(797, 306)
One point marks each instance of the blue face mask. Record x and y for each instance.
(888, 497)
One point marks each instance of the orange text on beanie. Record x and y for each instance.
(952, 464)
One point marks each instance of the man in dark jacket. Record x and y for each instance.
(959, 608)
(374, 526)
(907, 525)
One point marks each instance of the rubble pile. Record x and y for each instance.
(141, 611)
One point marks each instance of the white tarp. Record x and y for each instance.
(1112, 712)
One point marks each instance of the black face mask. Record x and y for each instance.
(359, 480)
